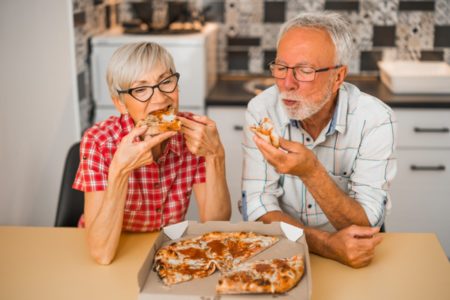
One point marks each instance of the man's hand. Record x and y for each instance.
(296, 159)
(133, 153)
(202, 137)
(354, 245)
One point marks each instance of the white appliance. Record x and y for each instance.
(194, 56)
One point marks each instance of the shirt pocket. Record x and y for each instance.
(341, 182)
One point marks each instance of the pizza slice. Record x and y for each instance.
(266, 130)
(230, 248)
(161, 121)
(183, 261)
(271, 276)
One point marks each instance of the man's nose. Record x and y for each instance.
(290, 83)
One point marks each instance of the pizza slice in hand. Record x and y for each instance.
(264, 276)
(266, 130)
(161, 121)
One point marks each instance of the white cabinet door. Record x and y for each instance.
(230, 122)
(423, 128)
(421, 190)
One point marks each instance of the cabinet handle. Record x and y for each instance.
(428, 168)
(436, 130)
(238, 127)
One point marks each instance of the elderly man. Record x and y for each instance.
(332, 171)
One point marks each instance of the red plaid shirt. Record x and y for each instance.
(158, 194)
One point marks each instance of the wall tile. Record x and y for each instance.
(415, 32)
(380, 12)
(243, 41)
(274, 11)
(442, 36)
(416, 5)
(432, 55)
(342, 5)
(294, 7)
(81, 84)
(269, 38)
(383, 36)
(442, 12)
(269, 56)
(447, 55)
(369, 60)
(238, 60)
(79, 19)
(256, 59)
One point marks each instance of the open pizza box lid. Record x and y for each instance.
(292, 242)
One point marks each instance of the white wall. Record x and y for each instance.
(39, 114)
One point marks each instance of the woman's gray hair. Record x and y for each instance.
(131, 61)
(336, 26)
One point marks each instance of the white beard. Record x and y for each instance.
(304, 108)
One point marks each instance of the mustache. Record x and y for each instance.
(291, 96)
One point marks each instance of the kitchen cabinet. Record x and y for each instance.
(230, 122)
(421, 190)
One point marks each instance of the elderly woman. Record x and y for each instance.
(138, 182)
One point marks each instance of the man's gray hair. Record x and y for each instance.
(131, 61)
(336, 26)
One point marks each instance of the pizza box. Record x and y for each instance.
(292, 241)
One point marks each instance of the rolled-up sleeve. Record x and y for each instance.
(374, 169)
(260, 181)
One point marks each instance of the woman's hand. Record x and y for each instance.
(202, 137)
(133, 153)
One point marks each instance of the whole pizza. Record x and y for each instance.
(200, 256)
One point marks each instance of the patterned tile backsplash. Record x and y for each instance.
(383, 29)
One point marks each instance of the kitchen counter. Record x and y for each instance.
(53, 263)
(230, 91)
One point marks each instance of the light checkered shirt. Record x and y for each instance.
(356, 148)
(158, 194)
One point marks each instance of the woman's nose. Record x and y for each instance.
(159, 97)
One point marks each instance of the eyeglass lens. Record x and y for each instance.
(144, 93)
(300, 73)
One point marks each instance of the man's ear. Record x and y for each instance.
(340, 77)
(120, 106)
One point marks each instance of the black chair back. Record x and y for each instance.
(71, 202)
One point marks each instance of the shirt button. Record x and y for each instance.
(309, 205)
(158, 210)
(308, 139)
(157, 185)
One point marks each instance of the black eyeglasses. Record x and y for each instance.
(144, 93)
(301, 73)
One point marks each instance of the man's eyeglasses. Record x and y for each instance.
(144, 93)
(301, 73)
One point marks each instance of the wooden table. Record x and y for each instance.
(53, 263)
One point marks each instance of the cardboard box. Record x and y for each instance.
(292, 241)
